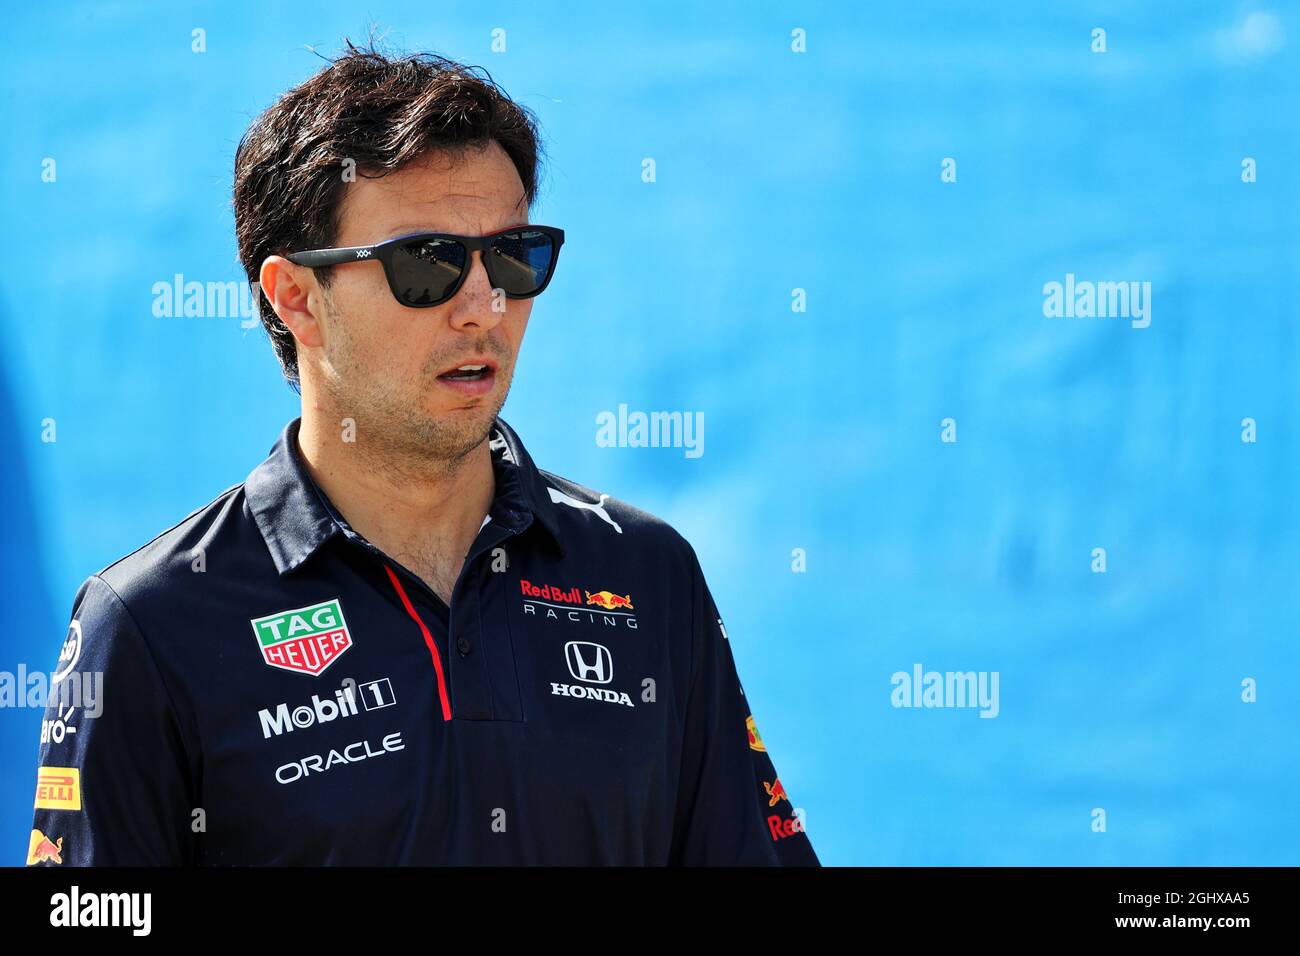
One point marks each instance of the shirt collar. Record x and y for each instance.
(296, 518)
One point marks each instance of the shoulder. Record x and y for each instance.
(584, 509)
(600, 519)
(186, 556)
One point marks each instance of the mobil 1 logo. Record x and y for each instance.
(348, 701)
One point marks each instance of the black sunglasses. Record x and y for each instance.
(428, 268)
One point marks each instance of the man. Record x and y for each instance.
(398, 641)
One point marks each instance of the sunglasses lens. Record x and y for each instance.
(426, 270)
(521, 261)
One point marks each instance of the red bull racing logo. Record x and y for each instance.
(577, 604)
(775, 792)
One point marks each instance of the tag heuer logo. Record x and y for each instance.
(307, 640)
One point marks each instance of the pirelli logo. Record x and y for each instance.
(58, 788)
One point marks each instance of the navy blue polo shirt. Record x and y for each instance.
(277, 690)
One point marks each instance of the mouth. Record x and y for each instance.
(475, 377)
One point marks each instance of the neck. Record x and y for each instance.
(424, 512)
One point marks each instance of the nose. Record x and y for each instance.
(475, 305)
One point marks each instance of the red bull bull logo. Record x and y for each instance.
(41, 850)
(610, 601)
(775, 792)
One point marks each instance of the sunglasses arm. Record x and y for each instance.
(331, 257)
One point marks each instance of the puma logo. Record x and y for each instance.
(560, 498)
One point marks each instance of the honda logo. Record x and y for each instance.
(589, 662)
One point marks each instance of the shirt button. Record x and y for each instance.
(462, 645)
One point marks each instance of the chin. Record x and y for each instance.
(472, 421)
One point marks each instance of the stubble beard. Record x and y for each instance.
(395, 434)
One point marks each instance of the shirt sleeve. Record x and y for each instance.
(113, 786)
(731, 808)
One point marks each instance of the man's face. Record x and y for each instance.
(383, 363)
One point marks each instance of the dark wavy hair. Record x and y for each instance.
(379, 111)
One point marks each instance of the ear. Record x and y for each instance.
(296, 297)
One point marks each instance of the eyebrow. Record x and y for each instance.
(411, 230)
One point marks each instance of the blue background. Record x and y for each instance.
(775, 171)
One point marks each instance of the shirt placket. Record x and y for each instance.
(474, 657)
